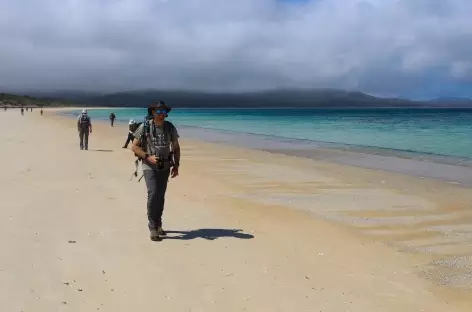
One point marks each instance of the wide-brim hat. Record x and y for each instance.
(159, 105)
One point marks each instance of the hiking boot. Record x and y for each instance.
(154, 235)
(161, 231)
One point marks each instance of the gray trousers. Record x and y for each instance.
(156, 183)
(83, 135)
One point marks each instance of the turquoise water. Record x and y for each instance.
(444, 132)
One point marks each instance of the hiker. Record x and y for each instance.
(22, 111)
(132, 125)
(84, 127)
(156, 143)
(41, 111)
(112, 118)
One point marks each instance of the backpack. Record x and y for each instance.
(84, 120)
(146, 131)
(135, 126)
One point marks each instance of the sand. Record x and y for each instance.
(249, 230)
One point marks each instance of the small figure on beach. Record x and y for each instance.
(132, 126)
(156, 144)
(41, 111)
(84, 127)
(112, 118)
(22, 111)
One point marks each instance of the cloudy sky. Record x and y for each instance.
(408, 48)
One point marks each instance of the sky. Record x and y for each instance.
(400, 48)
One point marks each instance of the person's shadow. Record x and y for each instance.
(209, 234)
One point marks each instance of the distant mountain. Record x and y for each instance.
(296, 98)
(272, 98)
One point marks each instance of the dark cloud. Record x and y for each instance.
(386, 47)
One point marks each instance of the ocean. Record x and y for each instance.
(433, 135)
(441, 132)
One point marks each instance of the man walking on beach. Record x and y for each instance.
(132, 126)
(112, 118)
(84, 127)
(156, 143)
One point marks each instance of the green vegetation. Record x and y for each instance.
(296, 98)
(273, 98)
(12, 100)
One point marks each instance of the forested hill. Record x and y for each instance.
(15, 100)
(277, 98)
(299, 98)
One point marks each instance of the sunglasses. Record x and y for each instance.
(160, 112)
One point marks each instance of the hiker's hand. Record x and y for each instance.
(152, 159)
(175, 172)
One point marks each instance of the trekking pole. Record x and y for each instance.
(141, 177)
(135, 173)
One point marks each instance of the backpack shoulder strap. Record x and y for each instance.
(168, 129)
(146, 130)
(143, 139)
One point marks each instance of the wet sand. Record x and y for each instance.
(450, 169)
(249, 230)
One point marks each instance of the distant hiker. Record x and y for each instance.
(132, 125)
(84, 127)
(156, 143)
(22, 111)
(112, 118)
(41, 111)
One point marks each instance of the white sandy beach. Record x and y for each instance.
(258, 231)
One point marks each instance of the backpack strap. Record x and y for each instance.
(167, 131)
(143, 140)
(169, 136)
(146, 130)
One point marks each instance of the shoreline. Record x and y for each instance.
(261, 231)
(450, 169)
(417, 165)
